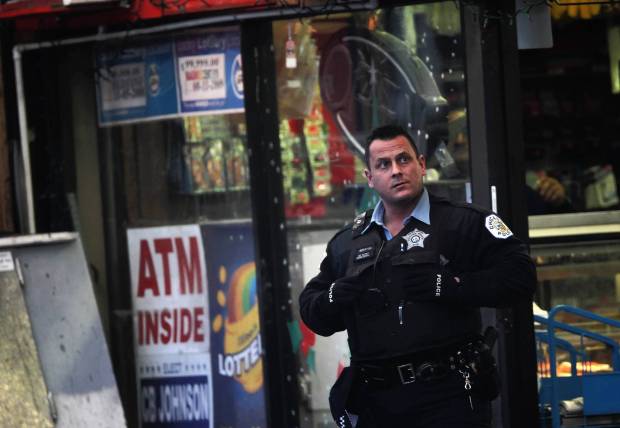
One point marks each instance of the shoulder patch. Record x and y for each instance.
(497, 227)
(359, 221)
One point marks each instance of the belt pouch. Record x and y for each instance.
(339, 396)
(485, 377)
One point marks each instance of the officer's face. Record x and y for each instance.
(395, 171)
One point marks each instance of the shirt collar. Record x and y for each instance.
(421, 212)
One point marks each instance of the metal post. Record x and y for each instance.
(269, 221)
(497, 160)
(26, 207)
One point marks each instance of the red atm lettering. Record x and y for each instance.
(190, 271)
(164, 247)
(178, 325)
(147, 277)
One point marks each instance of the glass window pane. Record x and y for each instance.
(184, 170)
(570, 116)
(178, 187)
(583, 275)
(338, 77)
(569, 103)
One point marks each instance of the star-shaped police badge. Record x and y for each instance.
(415, 239)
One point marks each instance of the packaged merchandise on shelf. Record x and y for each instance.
(215, 126)
(319, 164)
(192, 126)
(202, 167)
(318, 150)
(215, 163)
(199, 128)
(294, 168)
(237, 177)
(601, 191)
(212, 158)
(194, 180)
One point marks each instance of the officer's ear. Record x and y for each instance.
(422, 162)
(368, 176)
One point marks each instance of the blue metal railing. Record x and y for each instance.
(561, 343)
(615, 359)
(554, 342)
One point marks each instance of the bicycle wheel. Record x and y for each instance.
(373, 78)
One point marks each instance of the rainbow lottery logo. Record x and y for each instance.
(242, 357)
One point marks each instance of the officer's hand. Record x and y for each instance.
(431, 281)
(345, 291)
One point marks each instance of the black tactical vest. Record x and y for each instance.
(385, 324)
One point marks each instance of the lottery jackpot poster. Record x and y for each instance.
(236, 351)
(200, 74)
(196, 326)
(136, 83)
(209, 72)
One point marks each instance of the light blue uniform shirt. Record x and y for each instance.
(420, 212)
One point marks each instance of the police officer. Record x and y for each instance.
(406, 280)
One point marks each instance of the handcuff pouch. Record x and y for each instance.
(477, 358)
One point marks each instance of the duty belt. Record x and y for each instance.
(423, 366)
(385, 376)
(468, 358)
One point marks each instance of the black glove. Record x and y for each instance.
(429, 281)
(345, 291)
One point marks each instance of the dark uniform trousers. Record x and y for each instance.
(440, 403)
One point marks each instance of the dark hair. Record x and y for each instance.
(387, 132)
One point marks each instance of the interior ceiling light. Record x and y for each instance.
(578, 9)
(582, 2)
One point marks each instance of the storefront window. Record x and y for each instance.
(171, 112)
(570, 115)
(576, 274)
(338, 77)
(183, 170)
(572, 154)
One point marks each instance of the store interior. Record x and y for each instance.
(570, 111)
(570, 122)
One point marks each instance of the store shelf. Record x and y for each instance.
(440, 182)
(446, 182)
(560, 272)
(574, 224)
(313, 224)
